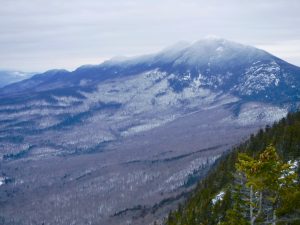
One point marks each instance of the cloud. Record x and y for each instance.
(39, 34)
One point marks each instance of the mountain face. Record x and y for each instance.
(8, 77)
(126, 139)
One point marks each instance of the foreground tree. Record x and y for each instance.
(268, 179)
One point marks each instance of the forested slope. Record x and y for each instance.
(214, 199)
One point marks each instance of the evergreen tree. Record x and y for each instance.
(269, 176)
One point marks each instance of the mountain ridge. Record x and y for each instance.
(220, 65)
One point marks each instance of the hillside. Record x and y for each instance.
(200, 207)
(118, 139)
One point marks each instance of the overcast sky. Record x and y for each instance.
(37, 35)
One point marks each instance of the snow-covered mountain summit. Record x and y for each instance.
(215, 63)
(213, 51)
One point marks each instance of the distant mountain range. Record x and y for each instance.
(8, 77)
(154, 123)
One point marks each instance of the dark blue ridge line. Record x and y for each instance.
(18, 155)
(151, 209)
(82, 176)
(17, 125)
(160, 94)
(124, 211)
(173, 158)
(92, 150)
(168, 201)
(16, 139)
(6, 121)
(34, 107)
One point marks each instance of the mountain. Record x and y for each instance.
(204, 205)
(8, 77)
(129, 138)
(215, 63)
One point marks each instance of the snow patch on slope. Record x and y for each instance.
(2, 180)
(218, 197)
(251, 113)
(258, 78)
